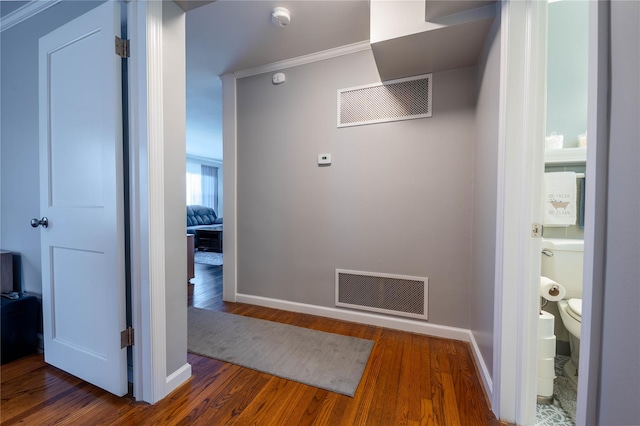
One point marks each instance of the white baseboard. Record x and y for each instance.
(177, 378)
(403, 324)
(484, 371)
(409, 325)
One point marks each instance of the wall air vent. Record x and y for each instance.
(390, 294)
(393, 100)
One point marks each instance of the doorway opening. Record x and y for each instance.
(565, 174)
(204, 191)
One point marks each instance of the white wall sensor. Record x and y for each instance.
(278, 78)
(324, 159)
(280, 17)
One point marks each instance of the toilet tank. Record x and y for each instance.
(565, 266)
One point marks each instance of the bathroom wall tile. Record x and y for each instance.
(554, 169)
(554, 232)
(575, 232)
(572, 232)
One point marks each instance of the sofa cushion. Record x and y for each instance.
(200, 216)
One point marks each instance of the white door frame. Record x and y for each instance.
(521, 163)
(595, 213)
(520, 175)
(147, 200)
(229, 146)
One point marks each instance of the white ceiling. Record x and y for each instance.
(232, 35)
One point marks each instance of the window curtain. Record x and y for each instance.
(194, 189)
(210, 187)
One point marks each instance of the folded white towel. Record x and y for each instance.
(560, 199)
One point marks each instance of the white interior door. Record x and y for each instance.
(81, 194)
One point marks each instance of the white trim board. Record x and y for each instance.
(520, 169)
(306, 59)
(25, 12)
(402, 324)
(498, 311)
(596, 212)
(147, 32)
(482, 366)
(138, 196)
(155, 187)
(204, 160)
(230, 187)
(178, 377)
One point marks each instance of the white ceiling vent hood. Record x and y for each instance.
(411, 37)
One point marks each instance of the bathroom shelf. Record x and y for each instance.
(566, 155)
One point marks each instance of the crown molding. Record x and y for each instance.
(25, 12)
(206, 160)
(306, 59)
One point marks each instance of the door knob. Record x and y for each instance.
(44, 222)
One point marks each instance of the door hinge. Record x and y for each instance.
(536, 230)
(126, 337)
(122, 47)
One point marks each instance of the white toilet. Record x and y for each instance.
(562, 261)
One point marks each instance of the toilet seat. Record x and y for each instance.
(575, 309)
(571, 320)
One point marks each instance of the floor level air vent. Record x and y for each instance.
(393, 100)
(390, 294)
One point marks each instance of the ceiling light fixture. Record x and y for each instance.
(280, 17)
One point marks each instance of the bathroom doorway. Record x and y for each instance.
(520, 207)
(563, 205)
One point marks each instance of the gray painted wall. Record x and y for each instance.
(19, 149)
(175, 215)
(397, 198)
(620, 357)
(485, 191)
(568, 32)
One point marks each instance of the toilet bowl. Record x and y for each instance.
(571, 315)
(562, 262)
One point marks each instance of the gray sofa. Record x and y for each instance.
(201, 217)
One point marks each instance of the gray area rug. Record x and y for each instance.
(207, 257)
(324, 360)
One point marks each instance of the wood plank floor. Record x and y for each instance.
(410, 379)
